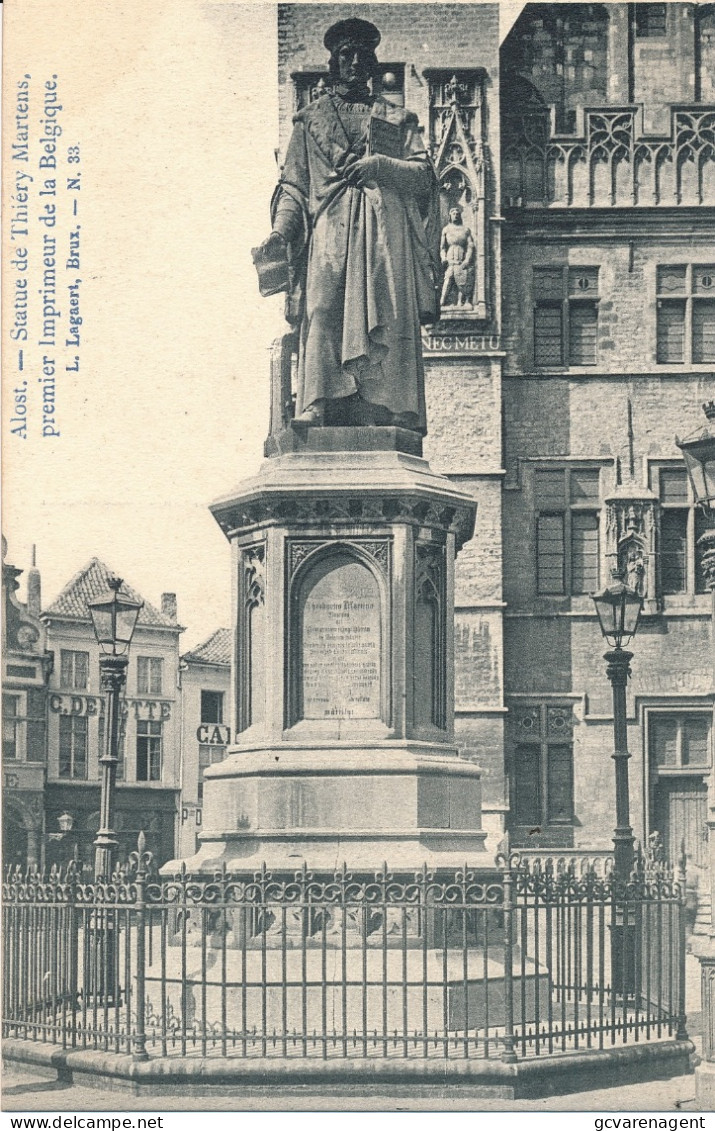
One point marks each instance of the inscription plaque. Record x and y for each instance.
(341, 642)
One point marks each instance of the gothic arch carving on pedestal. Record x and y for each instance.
(251, 666)
(430, 638)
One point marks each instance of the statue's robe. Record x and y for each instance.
(366, 260)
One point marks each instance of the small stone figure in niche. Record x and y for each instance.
(635, 568)
(457, 252)
(355, 242)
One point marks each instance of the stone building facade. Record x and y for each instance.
(581, 151)
(206, 731)
(26, 668)
(53, 726)
(608, 192)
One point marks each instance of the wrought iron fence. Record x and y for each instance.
(524, 961)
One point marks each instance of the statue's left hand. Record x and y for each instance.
(362, 173)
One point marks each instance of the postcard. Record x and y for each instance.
(357, 654)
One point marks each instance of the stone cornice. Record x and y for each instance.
(349, 510)
(658, 223)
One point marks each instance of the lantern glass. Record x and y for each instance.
(699, 457)
(114, 618)
(618, 609)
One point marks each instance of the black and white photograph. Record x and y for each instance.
(358, 452)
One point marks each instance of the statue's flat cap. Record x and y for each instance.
(357, 31)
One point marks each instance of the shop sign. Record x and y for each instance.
(94, 705)
(213, 734)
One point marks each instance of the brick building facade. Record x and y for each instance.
(580, 150)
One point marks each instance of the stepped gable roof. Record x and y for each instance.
(91, 582)
(215, 650)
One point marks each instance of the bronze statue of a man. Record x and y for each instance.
(356, 215)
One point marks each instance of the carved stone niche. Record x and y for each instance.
(631, 541)
(460, 154)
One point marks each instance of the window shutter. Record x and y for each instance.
(703, 331)
(671, 331)
(527, 786)
(583, 325)
(548, 342)
(584, 552)
(673, 551)
(550, 553)
(695, 741)
(560, 785)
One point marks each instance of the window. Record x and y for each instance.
(74, 670)
(650, 20)
(543, 766)
(120, 745)
(36, 726)
(148, 750)
(681, 525)
(212, 706)
(208, 755)
(73, 746)
(10, 712)
(565, 316)
(685, 306)
(567, 503)
(24, 727)
(149, 673)
(679, 742)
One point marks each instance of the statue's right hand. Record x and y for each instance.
(271, 262)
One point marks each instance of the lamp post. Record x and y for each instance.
(114, 619)
(618, 609)
(698, 451)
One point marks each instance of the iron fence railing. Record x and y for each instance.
(522, 961)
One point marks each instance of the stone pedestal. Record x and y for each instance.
(343, 580)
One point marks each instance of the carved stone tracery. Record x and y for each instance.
(347, 510)
(460, 155)
(378, 549)
(630, 541)
(251, 656)
(430, 635)
(611, 163)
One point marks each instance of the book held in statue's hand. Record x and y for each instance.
(384, 138)
(271, 262)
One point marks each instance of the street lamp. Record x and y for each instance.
(114, 618)
(699, 454)
(618, 609)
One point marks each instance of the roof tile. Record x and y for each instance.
(215, 650)
(92, 581)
